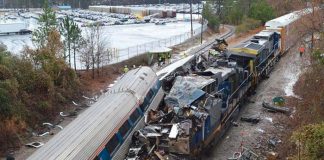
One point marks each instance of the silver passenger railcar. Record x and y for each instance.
(104, 130)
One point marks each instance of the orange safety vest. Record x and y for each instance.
(302, 49)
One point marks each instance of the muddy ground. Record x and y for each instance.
(256, 136)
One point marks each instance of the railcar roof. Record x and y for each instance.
(167, 70)
(83, 136)
(265, 33)
(286, 19)
(136, 80)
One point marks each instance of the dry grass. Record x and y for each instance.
(309, 108)
(10, 130)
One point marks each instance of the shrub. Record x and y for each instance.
(311, 139)
(248, 24)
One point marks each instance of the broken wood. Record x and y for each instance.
(159, 155)
(277, 109)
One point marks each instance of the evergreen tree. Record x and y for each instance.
(66, 28)
(77, 40)
(47, 22)
(261, 10)
(210, 16)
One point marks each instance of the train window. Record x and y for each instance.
(143, 106)
(123, 130)
(135, 116)
(112, 144)
(150, 95)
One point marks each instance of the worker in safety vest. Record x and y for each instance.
(125, 69)
(301, 50)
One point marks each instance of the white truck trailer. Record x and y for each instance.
(8, 27)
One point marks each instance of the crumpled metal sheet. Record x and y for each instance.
(186, 90)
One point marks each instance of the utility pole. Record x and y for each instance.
(191, 17)
(202, 21)
(313, 40)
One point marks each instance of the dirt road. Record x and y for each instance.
(257, 136)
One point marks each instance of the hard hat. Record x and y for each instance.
(125, 65)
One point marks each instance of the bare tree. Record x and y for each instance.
(96, 46)
(312, 22)
(87, 52)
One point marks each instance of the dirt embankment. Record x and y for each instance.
(309, 105)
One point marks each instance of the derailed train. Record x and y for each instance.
(204, 97)
(175, 113)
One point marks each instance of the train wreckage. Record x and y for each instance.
(177, 112)
(202, 97)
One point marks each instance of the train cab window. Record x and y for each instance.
(123, 130)
(112, 144)
(135, 116)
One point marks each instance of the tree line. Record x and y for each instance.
(86, 3)
(37, 85)
(247, 14)
(40, 3)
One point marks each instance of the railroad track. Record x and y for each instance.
(205, 47)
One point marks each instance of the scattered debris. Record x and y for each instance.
(275, 108)
(75, 103)
(273, 141)
(260, 130)
(63, 115)
(94, 99)
(174, 131)
(35, 144)
(250, 120)
(269, 119)
(59, 126)
(236, 156)
(70, 114)
(272, 155)
(48, 124)
(43, 134)
(246, 154)
(235, 124)
(159, 155)
(278, 101)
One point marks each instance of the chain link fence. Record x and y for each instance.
(118, 55)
